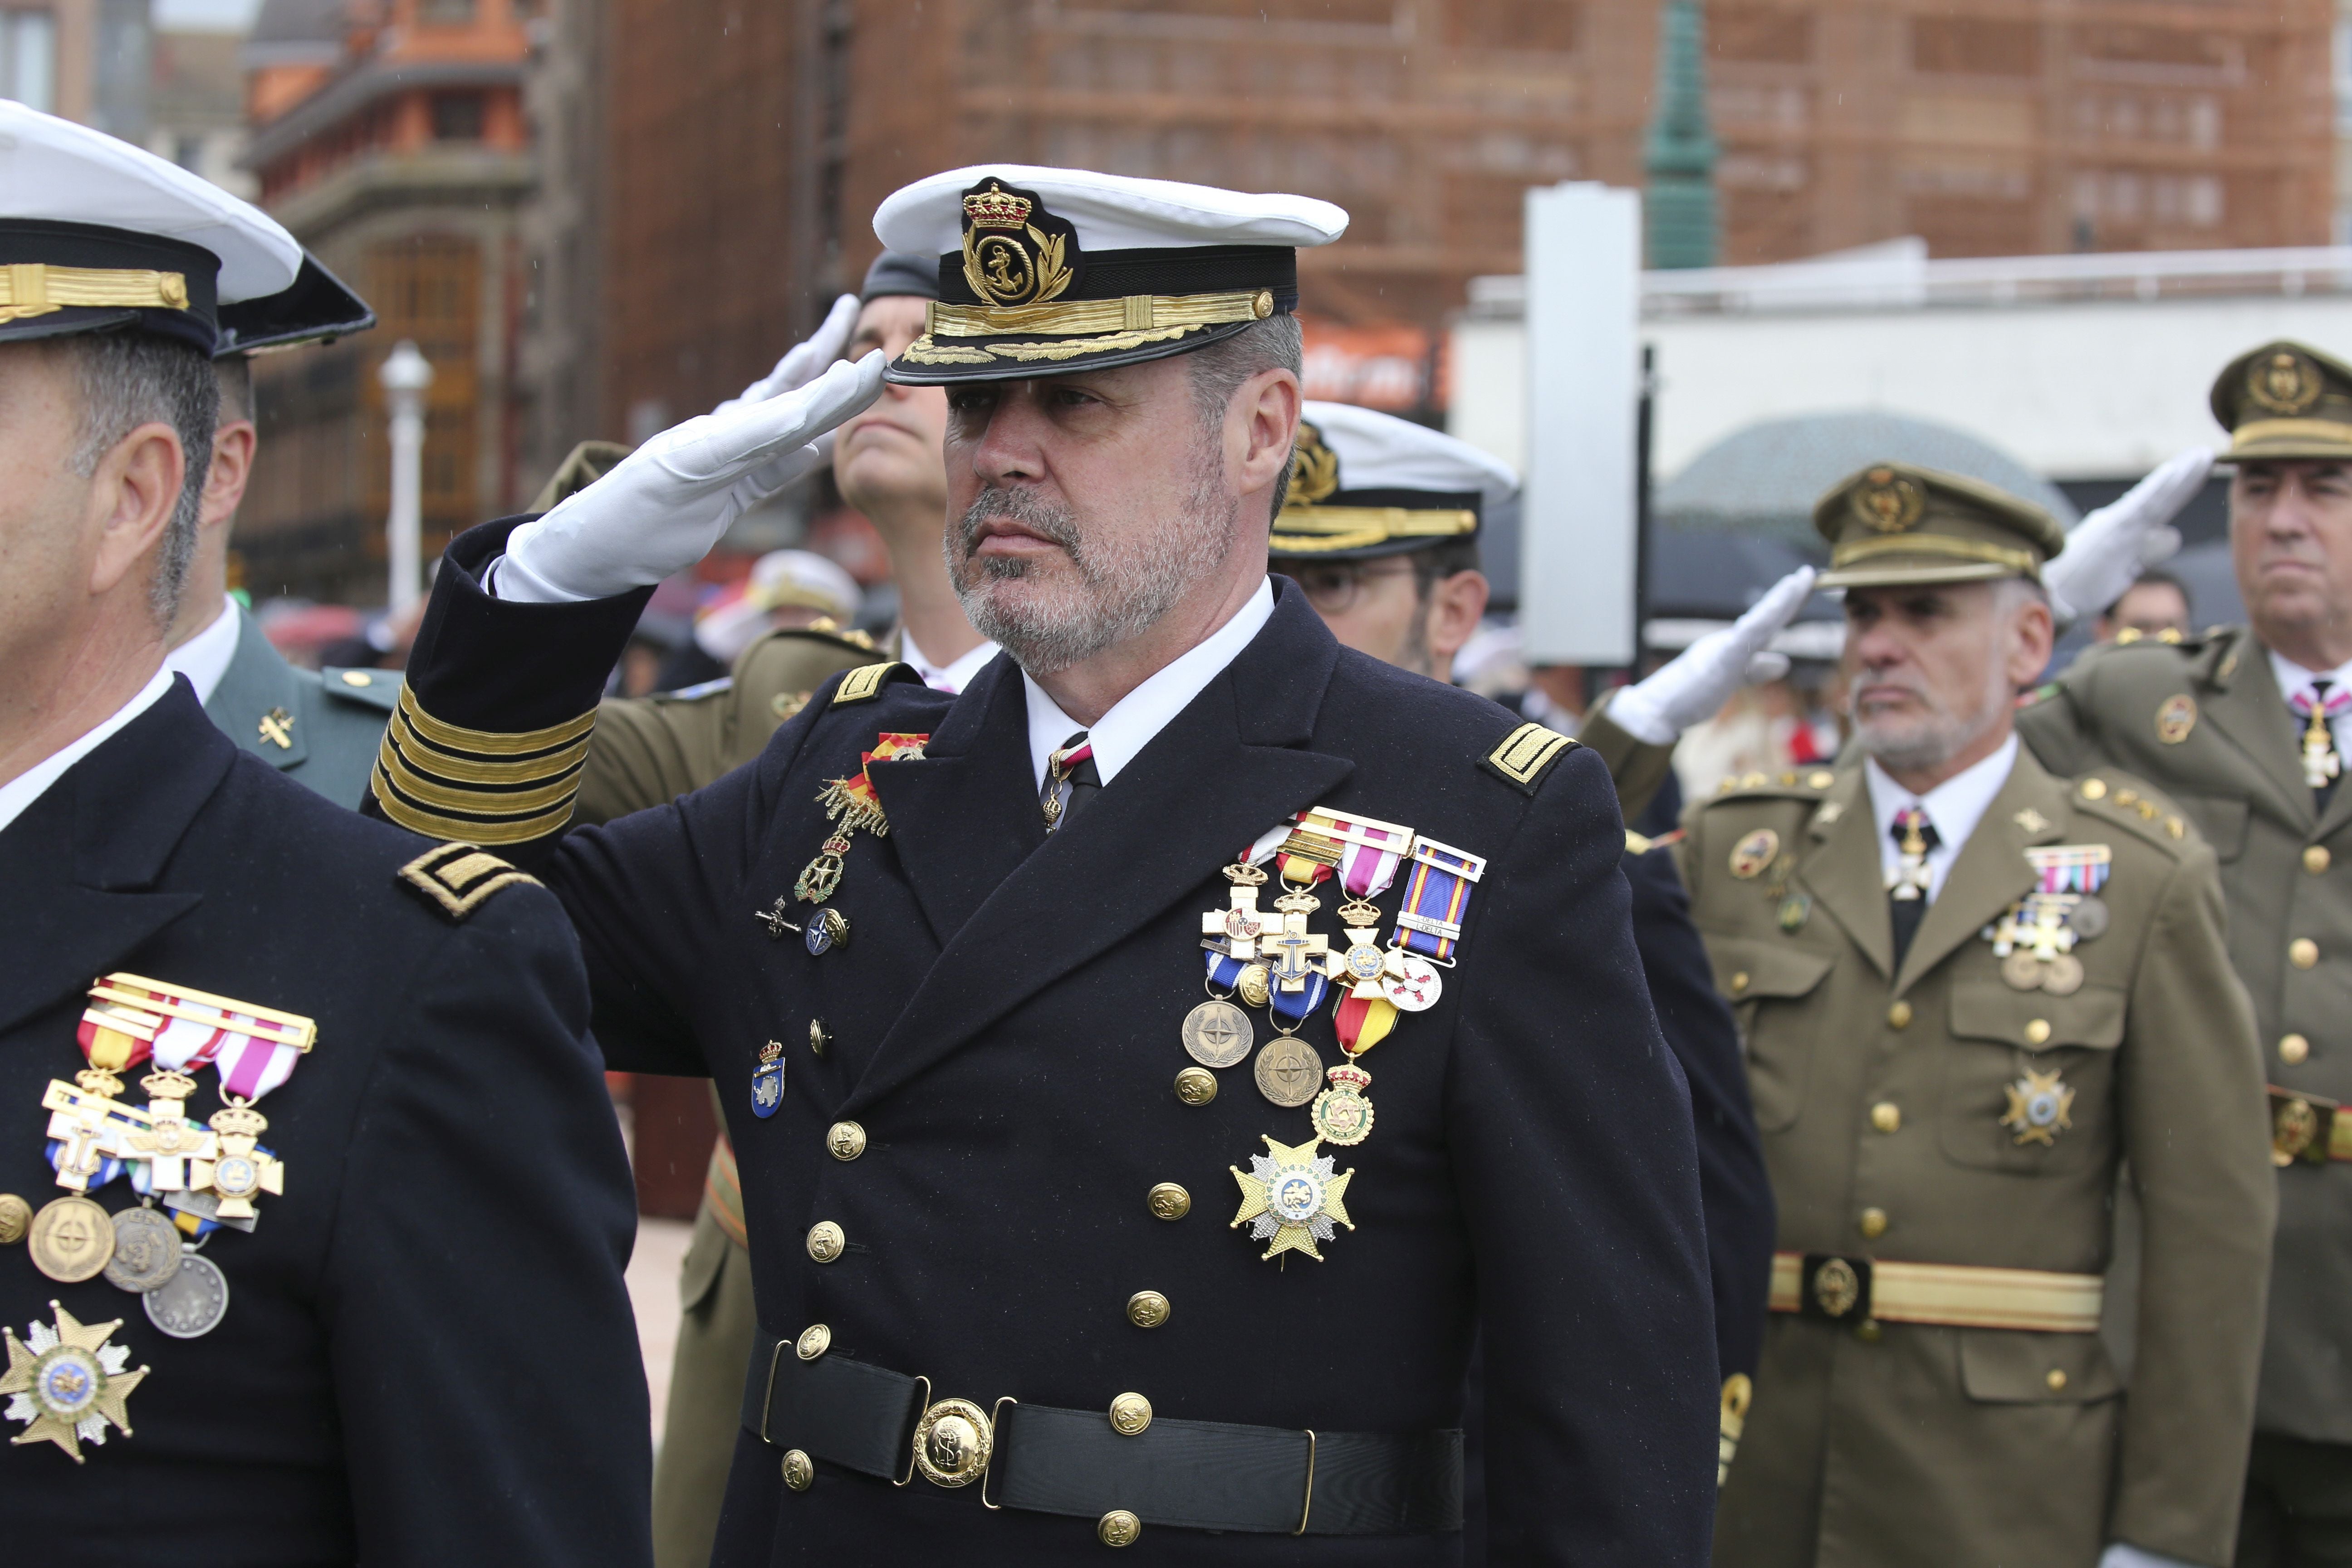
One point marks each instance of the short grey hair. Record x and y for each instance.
(131, 378)
(1276, 342)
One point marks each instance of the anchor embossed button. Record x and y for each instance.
(825, 1240)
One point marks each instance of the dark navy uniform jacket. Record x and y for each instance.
(1003, 1023)
(428, 1355)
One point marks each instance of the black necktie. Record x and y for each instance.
(1072, 763)
(1906, 904)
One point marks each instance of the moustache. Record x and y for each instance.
(1050, 522)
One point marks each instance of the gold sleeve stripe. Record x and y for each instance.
(864, 682)
(1527, 754)
(491, 742)
(421, 787)
(429, 758)
(432, 824)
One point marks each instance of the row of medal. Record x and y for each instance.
(850, 804)
(1293, 1197)
(64, 1379)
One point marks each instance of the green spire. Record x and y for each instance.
(1679, 150)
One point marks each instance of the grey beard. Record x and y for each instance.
(1937, 739)
(1123, 590)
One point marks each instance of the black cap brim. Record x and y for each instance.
(318, 307)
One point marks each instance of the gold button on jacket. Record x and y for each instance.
(1843, 1468)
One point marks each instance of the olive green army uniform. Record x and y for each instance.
(1943, 1137)
(2205, 718)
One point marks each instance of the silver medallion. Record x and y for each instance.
(2090, 917)
(193, 1303)
(1411, 983)
(1289, 1071)
(146, 1251)
(1217, 1034)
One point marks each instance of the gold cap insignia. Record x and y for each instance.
(1314, 468)
(1888, 501)
(2282, 382)
(1015, 252)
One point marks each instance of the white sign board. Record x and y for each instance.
(1577, 532)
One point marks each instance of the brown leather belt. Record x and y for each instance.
(1843, 1289)
(2307, 1127)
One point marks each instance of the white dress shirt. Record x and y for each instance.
(32, 784)
(1143, 713)
(1954, 808)
(204, 657)
(951, 678)
(2293, 679)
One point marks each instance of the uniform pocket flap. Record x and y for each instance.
(2035, 1020)
(1746, 968)
(2013, 1366)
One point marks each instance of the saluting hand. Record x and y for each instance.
(1703, 677)
(2108, 550)
(666, 503)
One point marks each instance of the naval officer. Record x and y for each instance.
(1968, 989)
(2244, 727)
(1072, 1220)
(313, 1212)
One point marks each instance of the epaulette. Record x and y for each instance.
(1527, 754)
(867, 681)
(378, 689)
(1796, 783)
(2130, 803)
(461, 877)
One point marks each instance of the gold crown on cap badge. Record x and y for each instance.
(996, 207)
(2283, 383)
(1889, 501)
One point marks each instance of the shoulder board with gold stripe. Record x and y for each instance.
(461, 877)
(864, 683)
(1527, 754)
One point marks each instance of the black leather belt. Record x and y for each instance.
(1093, 1464)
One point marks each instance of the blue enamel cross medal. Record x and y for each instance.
(768, 1081)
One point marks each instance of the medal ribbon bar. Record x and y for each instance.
(2071, 867)
(1435, 897)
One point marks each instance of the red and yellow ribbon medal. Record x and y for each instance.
(1363, 855)
(850, 804)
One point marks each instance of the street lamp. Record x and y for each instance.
(405, 374)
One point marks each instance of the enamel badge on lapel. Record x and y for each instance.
(2040, 1107)
(1754, 852)
(768, 1081)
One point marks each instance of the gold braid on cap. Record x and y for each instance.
(35, 288)
(2022, 562)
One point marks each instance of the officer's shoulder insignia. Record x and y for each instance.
(1803, 784)
(377, 688)
(2122, 799)
(1527, 754)
(866, 682)
(461, 877)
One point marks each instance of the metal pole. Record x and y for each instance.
(405, 374)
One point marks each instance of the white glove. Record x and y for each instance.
(801, 361)
(2122, 1556)
(2108, 550)
(1703, 677)
(667, 502)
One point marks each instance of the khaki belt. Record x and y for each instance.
(1856, 1289)
(2307, 1127)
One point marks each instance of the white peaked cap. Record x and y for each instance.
(54, 171)
(1110, 212)
(1381, 452)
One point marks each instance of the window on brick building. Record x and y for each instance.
(457, 117)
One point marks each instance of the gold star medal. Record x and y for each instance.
(1291, 1198)
(2040, 1107)
(67, 1383)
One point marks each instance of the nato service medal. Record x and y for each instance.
(71, 1239)
(1288, 1070)
(1217, 1034)
(193, 1303)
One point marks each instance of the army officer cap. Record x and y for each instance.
(1366, 484)
(1896, 523)
(2285, 400)
(1046, 271)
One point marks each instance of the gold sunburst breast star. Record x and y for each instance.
(67, 1383)
(2040, 1107)
(1291, 1198)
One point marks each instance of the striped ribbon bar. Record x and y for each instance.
(2070, 868)
(1435, 897)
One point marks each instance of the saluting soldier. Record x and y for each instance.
(1969, 989)
(319, 727)
(1381, 531)
(312, 1210)
(1052, 1020)
(2244, 727)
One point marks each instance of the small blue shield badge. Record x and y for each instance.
(768, 1081)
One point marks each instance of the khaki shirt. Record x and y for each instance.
(1880, 1097)
(2207, 720)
